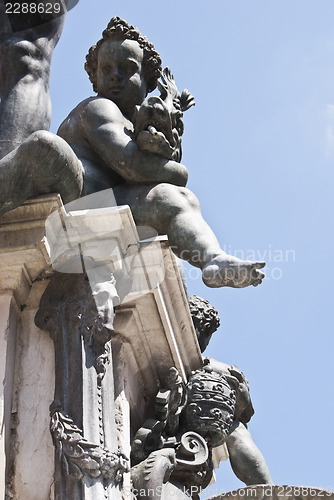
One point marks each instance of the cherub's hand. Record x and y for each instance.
(155, 142)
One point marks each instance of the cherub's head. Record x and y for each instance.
(121, 40)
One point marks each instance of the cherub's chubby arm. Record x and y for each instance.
(110, 137)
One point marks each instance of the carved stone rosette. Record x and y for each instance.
(79, 318)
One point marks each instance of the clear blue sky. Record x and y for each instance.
(259, 146)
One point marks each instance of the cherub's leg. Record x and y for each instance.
(246, 459)
(43, 163)
(176, 212)
(25, 64)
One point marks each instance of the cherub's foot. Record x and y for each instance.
(52, 165)
(226, 270)
(43, 163)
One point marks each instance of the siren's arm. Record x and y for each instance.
(247, 461)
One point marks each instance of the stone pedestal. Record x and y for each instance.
(97, 345)
(27, 360)
(153, 331)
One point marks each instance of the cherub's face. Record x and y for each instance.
(120, 75)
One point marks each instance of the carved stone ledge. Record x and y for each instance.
(23, 248)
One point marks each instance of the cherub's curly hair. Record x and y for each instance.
(119, 29)
(205, 319)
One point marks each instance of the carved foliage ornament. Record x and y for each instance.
(81, 457)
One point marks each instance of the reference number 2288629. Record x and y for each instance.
(33, 8)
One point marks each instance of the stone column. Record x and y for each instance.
(88, 464)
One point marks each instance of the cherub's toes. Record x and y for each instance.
(256, 274)
(257, 282)
(259, 264)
